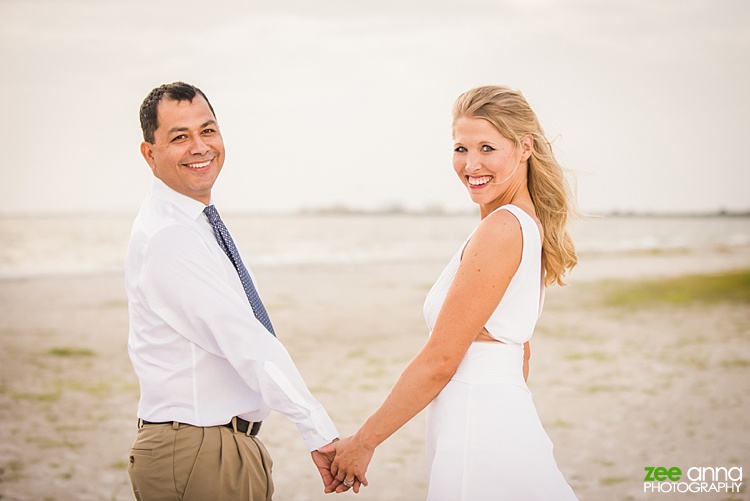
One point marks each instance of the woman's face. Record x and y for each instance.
(486, 162)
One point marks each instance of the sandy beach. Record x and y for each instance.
(620, 385)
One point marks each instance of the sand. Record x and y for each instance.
(617, 388)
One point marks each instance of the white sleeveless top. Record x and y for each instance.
(514, 318)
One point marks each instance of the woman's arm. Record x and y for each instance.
(526, 357)
(489, 262)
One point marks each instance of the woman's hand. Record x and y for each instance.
(350, 463)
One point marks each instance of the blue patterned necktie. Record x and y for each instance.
(227, 245)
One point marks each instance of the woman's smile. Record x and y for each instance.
(476, 182)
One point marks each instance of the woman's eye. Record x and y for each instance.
(487, 148)
(460, 149)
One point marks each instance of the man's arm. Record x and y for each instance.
(207, 311)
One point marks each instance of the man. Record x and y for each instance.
(201, 343)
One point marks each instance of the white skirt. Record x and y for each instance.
(484, 437)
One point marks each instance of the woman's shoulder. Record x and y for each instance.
(500, 229)
(524, 217)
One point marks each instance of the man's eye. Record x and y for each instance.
(179, 137)
(208, 131)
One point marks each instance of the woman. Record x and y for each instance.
(484, 438)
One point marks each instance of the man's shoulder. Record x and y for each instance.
(163, 224)
(157, 214)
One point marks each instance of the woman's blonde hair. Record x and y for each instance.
(510, 113)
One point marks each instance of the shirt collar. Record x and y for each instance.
(189, 206)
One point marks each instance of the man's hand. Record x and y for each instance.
(323, 463)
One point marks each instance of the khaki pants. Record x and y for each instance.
(179, 462)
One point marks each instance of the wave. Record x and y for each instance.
(47, 246)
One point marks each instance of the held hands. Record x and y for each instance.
(351, 458)
(323, 463)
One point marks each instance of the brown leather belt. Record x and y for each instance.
(242, 425)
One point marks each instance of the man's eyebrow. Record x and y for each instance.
(183, 129)
(176, 129)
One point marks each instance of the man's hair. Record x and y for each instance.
(176, 91)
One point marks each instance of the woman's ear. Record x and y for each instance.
(527, 146)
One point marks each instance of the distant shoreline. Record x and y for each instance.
(390, 211)
(654, 214)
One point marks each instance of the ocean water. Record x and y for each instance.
(38, 245)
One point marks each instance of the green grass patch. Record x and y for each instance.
(375, 373)
(367, 387)
(11, 471)
(721, 287)
(52, 396)
(71, 352)
(613, 480)
(694, 361)
(114, 303)
(735, 362)
(358, 353)
(49, 443)
(601, 388)
(129, 387)
(95, 389)
(604, 462)
(597, 356)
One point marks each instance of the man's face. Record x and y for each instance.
(188, 151)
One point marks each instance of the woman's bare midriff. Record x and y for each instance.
(484, 337)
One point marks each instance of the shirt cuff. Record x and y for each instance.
(317, 430)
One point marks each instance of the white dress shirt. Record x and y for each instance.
(199, 353)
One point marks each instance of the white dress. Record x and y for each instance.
(484, 437)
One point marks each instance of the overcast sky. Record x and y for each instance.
(341, 102)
